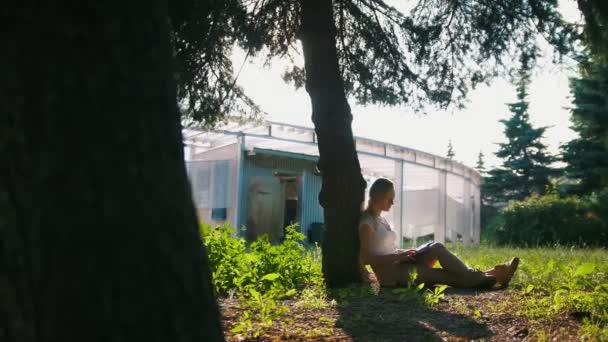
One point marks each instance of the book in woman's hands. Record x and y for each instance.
(423, 248)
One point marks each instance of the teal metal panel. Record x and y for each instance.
(250, 170)
(311, 209)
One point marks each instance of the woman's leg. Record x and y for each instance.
(448, 261)
(504, 272)
(431, 276)
(453, 272)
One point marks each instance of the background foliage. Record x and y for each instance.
(552, 219)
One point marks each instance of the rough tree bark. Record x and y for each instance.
(343, 185)
(98, 234)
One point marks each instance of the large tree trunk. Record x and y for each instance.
(98, 234)
(343, 186)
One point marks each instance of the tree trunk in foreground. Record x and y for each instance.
(98, 234)
(343, 186)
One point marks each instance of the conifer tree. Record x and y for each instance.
(450, 155)
(595, 33)
(587, 156)
(526, 163)
(481, 165)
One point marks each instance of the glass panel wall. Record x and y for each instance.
(455, 209)
(475, 212)
(421, 204)
(213, 185)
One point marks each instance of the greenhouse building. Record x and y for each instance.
(263, 177)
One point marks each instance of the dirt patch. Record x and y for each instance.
(459, 316)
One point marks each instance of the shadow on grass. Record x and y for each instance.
(399, 315)
(470, 292)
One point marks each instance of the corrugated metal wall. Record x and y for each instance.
(311, 209)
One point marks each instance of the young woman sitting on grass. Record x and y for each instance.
(392, 266)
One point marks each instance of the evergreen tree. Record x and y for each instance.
(372, 52)
(587, 156)
(526, 164)
(450, 155)
(481, 165)
(595, 32)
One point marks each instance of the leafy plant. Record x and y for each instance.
(260, 274)
(314, 298)
(273, 270)
(225, 256)
(432, 297)
(261, 313)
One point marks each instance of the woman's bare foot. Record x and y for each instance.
(504, 272)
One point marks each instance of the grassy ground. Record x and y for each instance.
(558, 294)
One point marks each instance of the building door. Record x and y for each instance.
(291, 200)
(265, 210)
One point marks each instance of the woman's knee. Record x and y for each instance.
(438, 245)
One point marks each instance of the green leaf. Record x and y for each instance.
(529, 289)
(254, 293)
(584, 269)
(440, 289)
(477, 313)
(237, 328)
(290, 293)
(271, 276)
(326, 320)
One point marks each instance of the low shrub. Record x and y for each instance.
(552, 219)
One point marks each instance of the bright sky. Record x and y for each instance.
(476, 128)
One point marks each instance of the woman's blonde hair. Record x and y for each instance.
(380, 187)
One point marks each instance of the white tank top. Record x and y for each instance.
(384, 238)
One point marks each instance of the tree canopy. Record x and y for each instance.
(431, 51)
(596, 26)
(435, 51)
(203, 36)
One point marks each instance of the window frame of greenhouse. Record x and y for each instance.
(271, 170)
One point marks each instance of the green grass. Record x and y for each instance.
(549, 282)
(554, 281)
